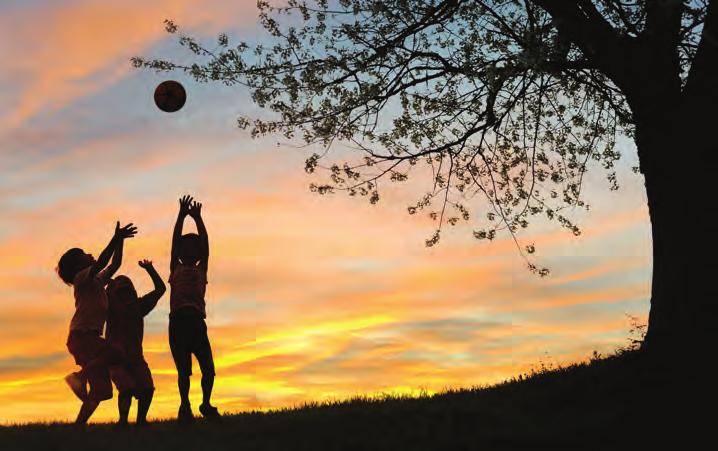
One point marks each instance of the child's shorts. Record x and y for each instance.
(84, 347)
(188, 335)
(133, 377)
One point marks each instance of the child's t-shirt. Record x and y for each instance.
(90, 301)
(125, 325)
(188, 284)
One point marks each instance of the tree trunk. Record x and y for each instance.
(676, 131)
(676, 136)
(681, 178)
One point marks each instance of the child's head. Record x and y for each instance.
(121, 289)
(190, 249)
(72, 262)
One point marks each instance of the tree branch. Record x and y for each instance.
(582, 24)
(701, 84)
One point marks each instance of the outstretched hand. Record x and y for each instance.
(185, 203)
(145, 264)
(124, 232)
(195, 210)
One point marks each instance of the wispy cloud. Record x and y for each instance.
(62, 51)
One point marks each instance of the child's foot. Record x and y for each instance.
(185, 414)
(122, 424)
(77, 385)
(209, 411)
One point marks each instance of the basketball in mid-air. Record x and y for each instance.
(170, 96)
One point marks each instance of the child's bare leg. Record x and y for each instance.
(185, 410)
(207, 384)
(207, 409)
(78, 380)
(87, 409)
(183, 385)
(78, 385)
(206, 364)
(144, 400)
(124, 400)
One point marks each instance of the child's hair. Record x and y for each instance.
(70, 264)
(112, 288)
(189, 247)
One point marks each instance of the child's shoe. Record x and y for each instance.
(209, 411)
(185, 414)
(77, 385)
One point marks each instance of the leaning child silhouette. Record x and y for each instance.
(93, 353)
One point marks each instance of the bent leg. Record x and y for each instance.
(106, 356)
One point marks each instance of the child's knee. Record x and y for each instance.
(91, 403)
(145, 393)
(208, 373)
(206, 366)
(100, 388)
(183, 376)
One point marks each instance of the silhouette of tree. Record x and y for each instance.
(507, 103)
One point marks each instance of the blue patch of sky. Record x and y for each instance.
(14, 364)
(7, 6)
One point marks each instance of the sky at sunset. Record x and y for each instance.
(309, 298)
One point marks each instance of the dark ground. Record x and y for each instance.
(619, 402)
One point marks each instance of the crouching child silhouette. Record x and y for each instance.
(93, 353)
(125, 330)
(187, 328)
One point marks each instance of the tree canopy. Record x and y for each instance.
(504, 104)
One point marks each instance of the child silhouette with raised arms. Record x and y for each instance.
(125, 330)
(187, 329)
(93, 353)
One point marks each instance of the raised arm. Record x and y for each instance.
(148, 301)
(115, 264)
(112, 248)
(184, 206)
(195, 212)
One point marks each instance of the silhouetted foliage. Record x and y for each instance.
(506, 111)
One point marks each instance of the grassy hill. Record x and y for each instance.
(623, 401)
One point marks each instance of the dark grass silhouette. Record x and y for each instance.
(623, 401)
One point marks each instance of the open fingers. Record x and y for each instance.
(129, 230)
